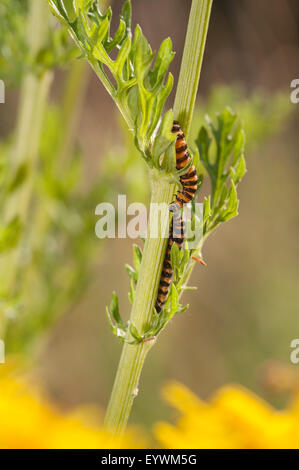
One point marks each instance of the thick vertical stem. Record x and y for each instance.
(132, 358)
(192, 62)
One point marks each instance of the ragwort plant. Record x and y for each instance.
(48, 245)
(139, 83)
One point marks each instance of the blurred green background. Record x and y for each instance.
(245, 311)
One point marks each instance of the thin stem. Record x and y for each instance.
(133, 356)
(74, 93)
(33, 98)
(75, 89)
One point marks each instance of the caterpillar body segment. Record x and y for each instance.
(189, 183)
(167, 270)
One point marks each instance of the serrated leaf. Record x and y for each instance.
(164, 57)
(141, 85)
(157, 105)
(226, 168)
(126, 14)
(240, 171)
(123, 55)
(203, 143)
(118, 38)
(232, 205)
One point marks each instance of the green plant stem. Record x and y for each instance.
(74, 93)
(75, 89)
(33, 99)
(192, 62)
(133, 356)
(34, 88)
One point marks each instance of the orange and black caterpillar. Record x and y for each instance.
(189, 186)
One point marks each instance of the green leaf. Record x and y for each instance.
(68, 6)
(232, 204)
(119, 330)
(132, 273)
(183, 309)
(141, 84)
(114, 309)
(111, 324)
(185, 259)
(221, 150)
(117, 325)
(9, 235)
(19, 178)
(164, 138)
(131, 294)
(126, 15)
(174, 300)
(123, 55)
(134, 332)
(203, 143)
(137, 257)
(206, 210)
(163, 60)
(238, 172)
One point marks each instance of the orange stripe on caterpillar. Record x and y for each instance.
(189, 180)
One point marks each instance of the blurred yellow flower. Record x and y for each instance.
(234, 418)
(28, 421)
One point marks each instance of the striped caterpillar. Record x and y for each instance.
(189, 187)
